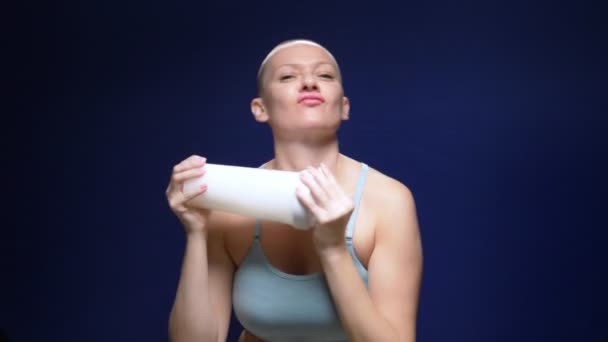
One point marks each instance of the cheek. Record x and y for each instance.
(282, 97)
(337, 98)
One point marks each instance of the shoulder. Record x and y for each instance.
(393, 204)
(387, 192)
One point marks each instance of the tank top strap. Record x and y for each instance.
(258, 226)
(350, 228)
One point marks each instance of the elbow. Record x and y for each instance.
(406, 336)
(402, 334)
(191, 336)
(180, 330)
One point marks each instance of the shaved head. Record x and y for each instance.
(283, 45)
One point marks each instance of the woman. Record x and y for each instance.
(354, 276)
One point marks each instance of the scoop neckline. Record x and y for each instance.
(283, 274)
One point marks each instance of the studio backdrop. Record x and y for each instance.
(470, 106)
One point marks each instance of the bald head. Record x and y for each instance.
(284, 45)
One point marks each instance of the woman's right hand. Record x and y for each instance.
(194, 220)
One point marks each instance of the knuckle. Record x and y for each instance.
(347, 206)
(175, 201)
(178, 208)
(196, 157)
(177, 177)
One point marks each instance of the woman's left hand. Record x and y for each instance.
(330, 206)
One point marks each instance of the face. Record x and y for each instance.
(302, 91)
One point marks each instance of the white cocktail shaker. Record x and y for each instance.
(254, 192)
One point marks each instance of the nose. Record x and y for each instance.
(309, 83)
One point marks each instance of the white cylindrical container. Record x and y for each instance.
(254, 192)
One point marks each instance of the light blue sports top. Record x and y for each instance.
(279, 307)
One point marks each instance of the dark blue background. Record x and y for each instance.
(484, 110)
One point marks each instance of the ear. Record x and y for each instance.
(345, 108)
(258, 110)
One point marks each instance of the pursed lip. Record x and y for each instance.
(310, 98)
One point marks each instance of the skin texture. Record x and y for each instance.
(386, 240)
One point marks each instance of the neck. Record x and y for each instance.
(298, 155)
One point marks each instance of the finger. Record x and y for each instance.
(306, 198)
(178, 201)
(196, 192)
(327, 172)
(320, 177)
(330, 184)
(317, 191)
(188, 174)
(189, 163)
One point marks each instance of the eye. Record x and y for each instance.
(285, 77)
(327, 76)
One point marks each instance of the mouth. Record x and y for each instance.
(311, 99)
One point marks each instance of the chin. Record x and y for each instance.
(320, 119)
(310, 124)
(323, 125)
(320, 128)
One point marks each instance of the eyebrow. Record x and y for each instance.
(298, 64)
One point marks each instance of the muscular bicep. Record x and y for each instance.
(395, 266)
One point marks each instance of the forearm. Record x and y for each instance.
(361, 320)
(192, 318)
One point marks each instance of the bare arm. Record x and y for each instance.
(201, 311)
(387, 312)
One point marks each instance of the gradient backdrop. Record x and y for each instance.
(483, 110)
